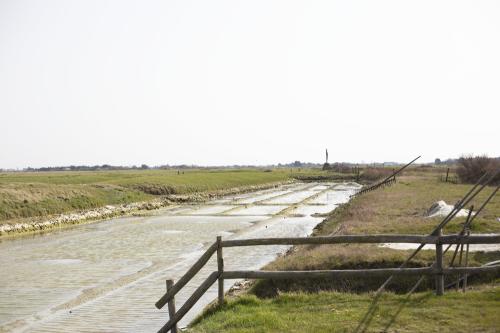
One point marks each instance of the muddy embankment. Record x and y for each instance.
(109, 211)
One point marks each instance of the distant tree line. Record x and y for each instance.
(449, 161)
(337, 166)
(457, 161)
(88, 168)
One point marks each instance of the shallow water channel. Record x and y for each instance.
(106, 276)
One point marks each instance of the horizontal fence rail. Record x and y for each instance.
(382, 238)
(436, 269)
(353, 272)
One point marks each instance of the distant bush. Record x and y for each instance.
(471, 168)
(339, 167)
(376, 173)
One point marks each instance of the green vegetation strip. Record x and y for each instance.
(38, 194)
(475, 311)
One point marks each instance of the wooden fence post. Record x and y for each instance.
(439, 265)
(220, 268)
(464, 284)
(171, 305)
(447, 172)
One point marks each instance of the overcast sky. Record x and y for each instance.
(247, 82)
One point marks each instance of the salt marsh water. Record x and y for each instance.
(106, 276)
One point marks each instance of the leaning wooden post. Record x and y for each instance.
(439, 265)
(171, 305)
(220, 268)
(447, 172)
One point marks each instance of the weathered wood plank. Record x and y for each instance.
(470, 239)
(389, 238)
(352, 272)
(187, 277)
(471, 270)
(326, 273)
(381, 238)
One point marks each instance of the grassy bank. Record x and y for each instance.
(33, 194)
(38, 194)
(475, 311)
(323, 305)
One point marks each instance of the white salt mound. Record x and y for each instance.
(440, 208)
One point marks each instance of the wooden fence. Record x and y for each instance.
(449, 179)
(384, 183)
(438, 270)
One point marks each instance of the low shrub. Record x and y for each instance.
(471, 168)
(376, 173)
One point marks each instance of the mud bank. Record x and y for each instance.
(110, 211)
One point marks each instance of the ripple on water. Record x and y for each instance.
(59, 261)
(39, 274)
(173, 232)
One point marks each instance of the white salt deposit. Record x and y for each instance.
(440, 208)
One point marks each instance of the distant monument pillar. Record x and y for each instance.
(326, 166)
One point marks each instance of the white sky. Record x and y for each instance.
(247, 82)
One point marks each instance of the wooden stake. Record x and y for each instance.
(220, 268)
(171, 305)
(439, 266)
(459, 265)
(464, 284)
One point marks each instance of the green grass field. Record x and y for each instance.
(341, 305)
(475, 311)
(188, 180)
(30, 194)
(38, 194)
